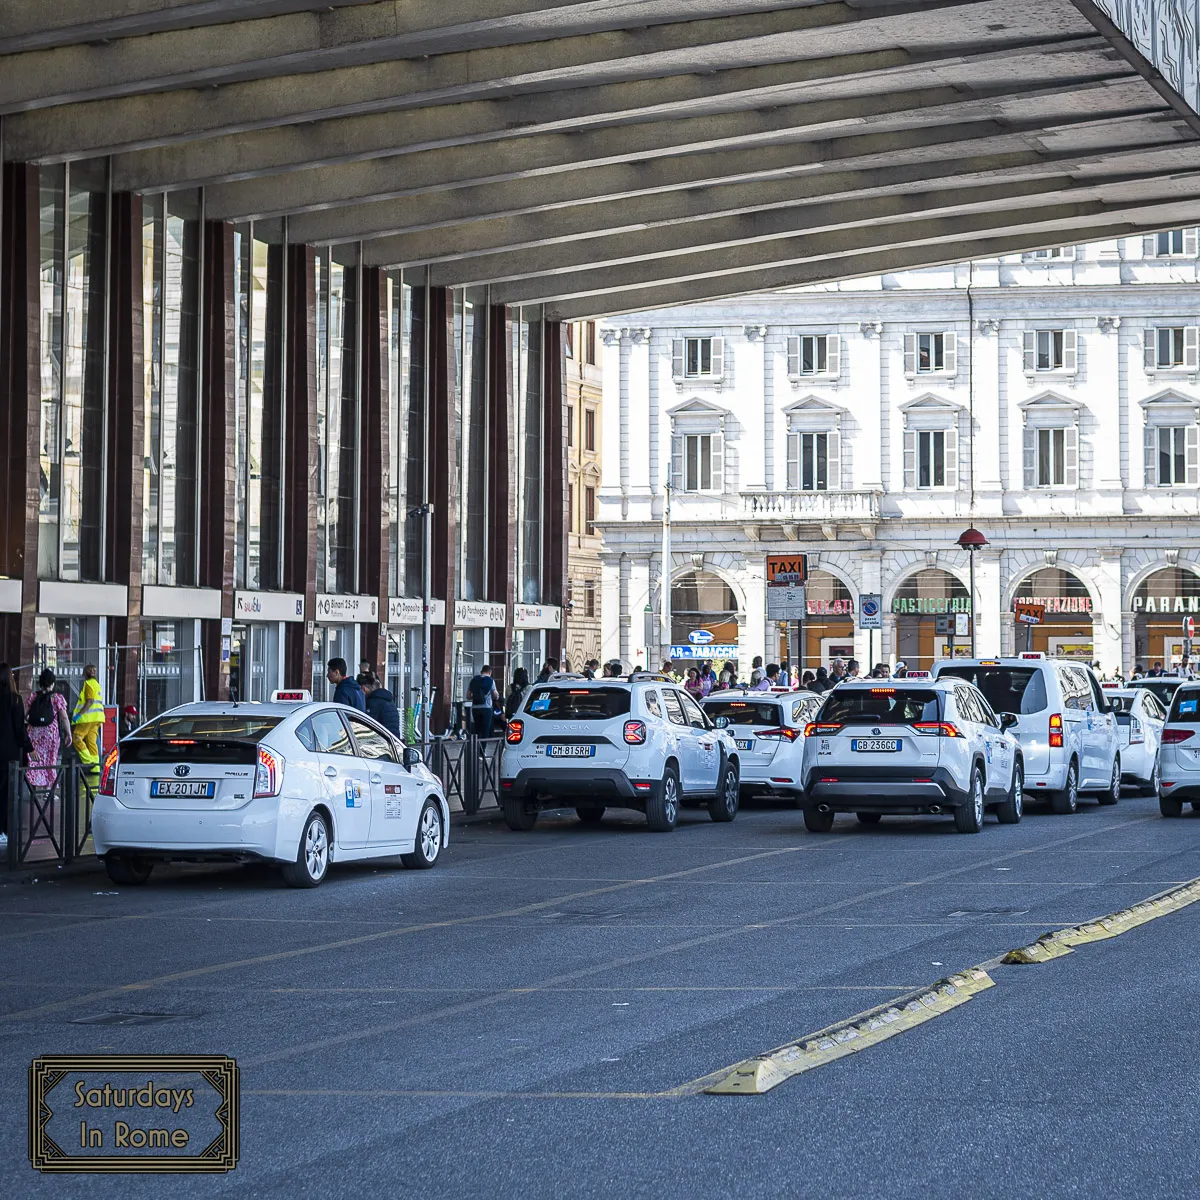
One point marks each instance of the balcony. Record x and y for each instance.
(811, 507)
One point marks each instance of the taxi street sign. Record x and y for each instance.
(1029, 614)
(786, 577)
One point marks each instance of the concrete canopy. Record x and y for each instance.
(602, 156)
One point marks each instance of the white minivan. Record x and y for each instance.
(1179, 754)
(1070, 741)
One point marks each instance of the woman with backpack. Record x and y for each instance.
(49, 731)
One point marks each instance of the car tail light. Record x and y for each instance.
(1171, 736)
(268, 778)
(635, 732)
(1056, 731)
(816, 729)
(1135, 731)
(941, 728)
(108, 778)
(515, 732)
(782, 732)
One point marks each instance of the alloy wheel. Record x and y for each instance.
(732, 790)
(670, 799)
(431, 833)
(977, 800)
(316, 849)
(1018, 792)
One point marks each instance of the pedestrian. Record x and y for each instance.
(345, 690)
(129, 720)
(589, 670)
(381, 704)
(520, 683)
(693, 686)
(758, 680)
(1157, 671)
(901, 670)
(87, 718)
(707, 679)
(549, 667)
(14, 741)
(821, 683)
(772, 675)
(853, 670)
(756, 663)
(729, 674)
(668, 669)
(481, 692)
(837, 672)
(49, 731)
(879, 671)
(807, 680)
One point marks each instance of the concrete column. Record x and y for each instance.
(624, 633)
(1103, 380)
(1128, 658)
(988, 597)
(989, 403)
(869, 579)
(752, 631)
(1106, 624)
(751, 367)
(1008, 635)
(611, 608)
(635, 440)
(888, 649)
(864, 363)
(611, 412)
(554, 523)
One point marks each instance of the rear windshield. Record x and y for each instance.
(228, 726)
(887, 705)
(1185, 708)
(738, 712)
(1122, 706)
(1020, 690)
(578, 704)
(1163, 689)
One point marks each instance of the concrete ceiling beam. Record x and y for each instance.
(568, 259)
(132, 122)
(1056, 222)
(870, 262)
(377, 134)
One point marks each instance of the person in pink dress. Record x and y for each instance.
(49, 730)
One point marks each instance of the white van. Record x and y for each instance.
(1179, 754)
(1069, 737)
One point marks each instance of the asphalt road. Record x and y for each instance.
(500, 1026)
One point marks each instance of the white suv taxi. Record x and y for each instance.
(919, 746)
(768, 730)
(640, 743)
(1179, 754)
(290, 782)
(1070, 741)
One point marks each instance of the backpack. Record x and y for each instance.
(41, 711)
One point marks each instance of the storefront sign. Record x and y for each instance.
(181, 603)
(870, 612)
(10, 595)
(702, 637)
(346, 610)
(480, 614)
(82, 599)
(922, 606)
(1059, 604)
(268, 606)
(403, 610)
(829, 608)
(1028, 613)
(1166, 604)
(704, 653)
(537, 616)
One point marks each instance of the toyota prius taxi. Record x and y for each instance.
(293, 782)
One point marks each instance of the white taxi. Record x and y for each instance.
(768, 730)
(1140, 720)
(291, 782)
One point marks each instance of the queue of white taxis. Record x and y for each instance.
(291, 782)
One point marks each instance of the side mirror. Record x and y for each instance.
(412, 758)
(1008, 720)
(721, 722)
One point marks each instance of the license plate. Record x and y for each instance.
(745, 744)
(190, 789)
(872, 745)
(570, 751)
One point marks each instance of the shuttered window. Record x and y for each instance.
(1172, 455)
(814, 354)
(813, 461)
(1050, 350)
(1170, 243)
(930, 353)
(931, 458)
(1172, 347)
(697, 462)
(698, 358)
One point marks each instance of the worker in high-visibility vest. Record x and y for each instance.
(87, 719)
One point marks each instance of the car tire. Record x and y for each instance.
(1169, 806)
(817, 822)
(430, 837)
(869, 818)
(1010, 812)
(128, 869)
(312, 856)
(519, 816)
(590, 814)
(1112, 795)
(724, 805)
(1150, 788)
(662, 805)
(1067, 801)
(968, 818)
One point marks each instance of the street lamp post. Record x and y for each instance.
(970, 541)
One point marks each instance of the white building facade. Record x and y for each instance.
(1051, 400)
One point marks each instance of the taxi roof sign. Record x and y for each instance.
(918, 675)
(1033, 654)
(291, 696)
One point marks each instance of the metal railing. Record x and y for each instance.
(469, 769)
(811, 506)
(52, 823)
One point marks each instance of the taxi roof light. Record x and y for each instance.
(291, 696)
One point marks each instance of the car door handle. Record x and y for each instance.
(331, 772)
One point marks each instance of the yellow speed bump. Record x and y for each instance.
(758, 1075)
(1058, 943)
